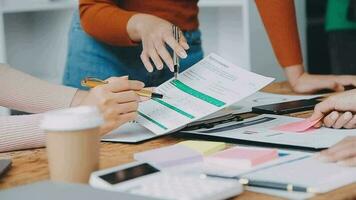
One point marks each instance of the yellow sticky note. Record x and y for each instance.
(204, 147)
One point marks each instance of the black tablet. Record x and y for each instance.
(286, 107)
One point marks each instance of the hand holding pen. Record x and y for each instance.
(116, 100)
(156, 35)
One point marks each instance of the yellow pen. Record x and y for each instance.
(91, 82)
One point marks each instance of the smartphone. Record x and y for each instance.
(5, 165)
(286, 107)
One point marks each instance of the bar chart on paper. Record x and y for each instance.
(207, 87)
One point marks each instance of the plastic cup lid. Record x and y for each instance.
(72, 119)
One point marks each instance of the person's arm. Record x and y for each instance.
(279, 19)
(20, 132)
(105, 21)
(23, 92)
(117, 101)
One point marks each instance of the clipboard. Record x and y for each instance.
(259, 131)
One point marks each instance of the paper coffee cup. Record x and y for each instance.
(73, 139)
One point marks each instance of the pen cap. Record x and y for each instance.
(72, 119)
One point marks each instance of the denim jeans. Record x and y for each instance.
(90, 57)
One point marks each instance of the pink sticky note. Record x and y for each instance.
(242, 157)
(300, 126)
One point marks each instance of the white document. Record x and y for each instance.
(205, 88)
(264, 98)
(259, 129)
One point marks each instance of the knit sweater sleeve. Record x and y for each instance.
(21, 132)
(23, 92)
(279, 19)
(26, 93)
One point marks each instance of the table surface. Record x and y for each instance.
(31, 165)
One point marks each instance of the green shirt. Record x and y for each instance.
(336, 16)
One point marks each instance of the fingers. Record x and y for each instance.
(163, 53)
(156, 59)
(337, 147)
(331, 118)
(154, 40)
(344, 150)
(116, 84)
(351, 162)
(322, 109)
(340, 120)
(176, 47)
(113, 124)
(146, 61)
(125, 97)
(114, 111)
(351, 123)
(343, 120)
(183, 41)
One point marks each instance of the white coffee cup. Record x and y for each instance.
(73, 139)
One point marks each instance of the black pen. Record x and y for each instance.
(275, 185)
(176, 34)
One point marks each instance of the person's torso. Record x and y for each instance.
(183, 13)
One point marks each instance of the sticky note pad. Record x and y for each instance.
(169, 156)
(300, 126)
(204, 147)
(241, 157)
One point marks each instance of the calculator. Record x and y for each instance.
(145, 180)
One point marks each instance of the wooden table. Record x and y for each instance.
(31, 165)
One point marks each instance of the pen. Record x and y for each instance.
(91, 82)
(176, 35)
(275, 185)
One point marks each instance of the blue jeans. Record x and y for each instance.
(90, 57)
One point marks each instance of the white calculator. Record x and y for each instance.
(146, 180)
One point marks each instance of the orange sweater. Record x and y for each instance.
(107, 20)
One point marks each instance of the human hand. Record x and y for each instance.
(117, 101)
(344, 152)
(302, 82)
(337, 111)
(155, 33)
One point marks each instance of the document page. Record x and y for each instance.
(264, 128)
(207, 87)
